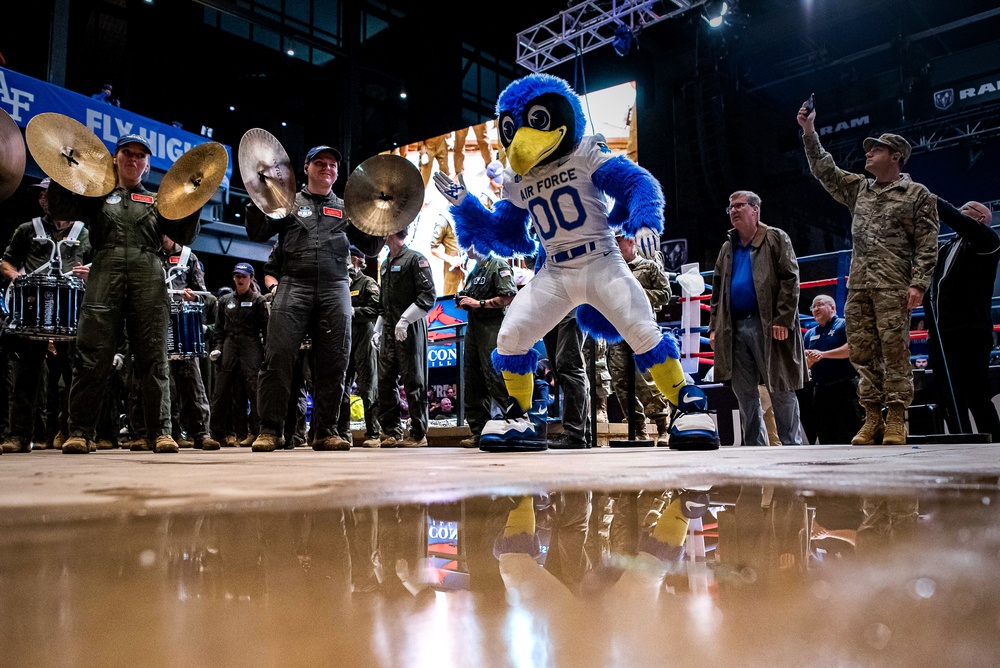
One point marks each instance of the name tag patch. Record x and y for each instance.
(246, 304)
(145, 199)
(397, 267)
(355, 293)
(330, 211)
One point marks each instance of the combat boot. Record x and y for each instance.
(209, 443)
(331, 443)
(602, 409)
(872, 430)
(267, 443)
(662, 432)
(895, 425)
(17, 444)
(248, 441)
(230, 442)
(105, 444)
(137, 445)
(412, 441)
(373, 442)
(76, 445)
(165, 443)
(183, 442)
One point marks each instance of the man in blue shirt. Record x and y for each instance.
(754, 329)
(834, 380)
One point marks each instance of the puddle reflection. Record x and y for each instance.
(748, 575)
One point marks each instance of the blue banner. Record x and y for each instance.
(24, 98)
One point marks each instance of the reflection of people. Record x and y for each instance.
(834, 381)
(125, 286)
(894, 229)
(961, 295)
(755, 320)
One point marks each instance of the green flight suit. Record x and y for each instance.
(126, 286)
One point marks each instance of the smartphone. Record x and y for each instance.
(810, 104)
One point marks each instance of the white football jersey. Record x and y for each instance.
(566, 208)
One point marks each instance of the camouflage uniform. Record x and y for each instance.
(491, 278)
(895, 232)
(654, 282)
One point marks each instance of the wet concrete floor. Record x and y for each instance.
(820, 556)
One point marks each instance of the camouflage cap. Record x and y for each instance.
(895, 143)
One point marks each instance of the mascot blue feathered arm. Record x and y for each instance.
(503, 231)
(638, 197)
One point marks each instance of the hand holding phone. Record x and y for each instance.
(810, 104)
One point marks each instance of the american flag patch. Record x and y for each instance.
(504, 273)
(330, 211)
(423, 263)
(145, 199)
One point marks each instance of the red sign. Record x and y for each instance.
(330, 211)
(145, 199)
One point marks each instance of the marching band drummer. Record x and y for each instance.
(126, 286)
(27, 253)
(313, 295)
(190, 405)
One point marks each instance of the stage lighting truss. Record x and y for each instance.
(590, 25)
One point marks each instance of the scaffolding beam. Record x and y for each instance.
(590, 25)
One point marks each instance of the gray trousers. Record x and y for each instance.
(749, 371)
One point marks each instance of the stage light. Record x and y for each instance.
(284, 124)
(402, 95)
(290, 52)
(232, 108)
(623, 40)
(714, 11)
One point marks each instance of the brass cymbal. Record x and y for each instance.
(192, 180)
(267, 172)
(11, 156)
(384, 194)
(70, 154)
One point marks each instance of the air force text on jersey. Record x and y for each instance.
(547, 183)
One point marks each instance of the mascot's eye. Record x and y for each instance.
(507, 128)
(539, 117)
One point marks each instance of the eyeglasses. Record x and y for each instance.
(736, 206)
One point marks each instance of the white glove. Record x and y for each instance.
(377, 336)
(118, 361)
(410, 316)
(647, 242)
(453, 192)
(425, 159)
(215, 355)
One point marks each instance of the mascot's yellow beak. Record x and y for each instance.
(531, 146)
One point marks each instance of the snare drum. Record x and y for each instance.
(185, 336)
(45, 306)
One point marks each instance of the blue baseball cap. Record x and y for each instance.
(316, 150)
(133, 139)
(243, 268)
(355, 251)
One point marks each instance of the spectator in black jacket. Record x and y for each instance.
(961, 296)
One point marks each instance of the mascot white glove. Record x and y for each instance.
(118, 361)
(453, 192)
(215, 355)
(410, 315)
(647, 242)
(377, 336)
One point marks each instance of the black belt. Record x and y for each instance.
(576, 251)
